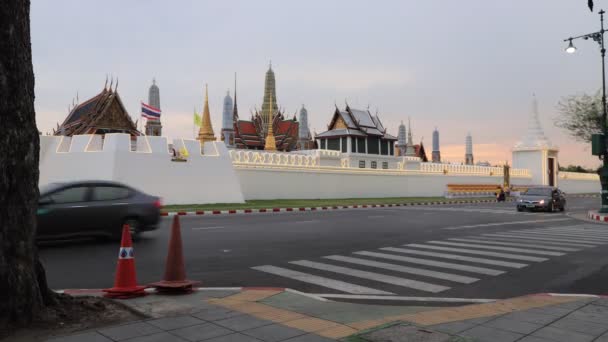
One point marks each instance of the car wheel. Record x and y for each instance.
(134, 227)
(562, 208)
(520, 209)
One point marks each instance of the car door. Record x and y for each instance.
(109, 205)
(64, 212)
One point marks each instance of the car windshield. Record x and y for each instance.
(48, 188)
(538, 192)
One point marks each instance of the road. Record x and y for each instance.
(475, 251)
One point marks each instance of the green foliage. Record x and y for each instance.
(580, 115)
(576, 168)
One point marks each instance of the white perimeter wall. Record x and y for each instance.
(204, 178)
(579, 183)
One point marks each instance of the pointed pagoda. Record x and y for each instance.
(410, 150)
(154, 127)
(205, 133)
(253, 133)
(103, 113)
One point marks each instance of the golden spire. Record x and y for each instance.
(270, 144)
(205, 133)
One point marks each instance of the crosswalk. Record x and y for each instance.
(437, 266)
(503, 210)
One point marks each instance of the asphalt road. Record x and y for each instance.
(344, 252)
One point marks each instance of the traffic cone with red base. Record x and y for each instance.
(125, 280)
(175, 280)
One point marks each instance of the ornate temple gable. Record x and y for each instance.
(339, 123)
(114, 116)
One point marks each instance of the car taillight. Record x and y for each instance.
(158, 203)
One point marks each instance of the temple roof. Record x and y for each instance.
(355, 122)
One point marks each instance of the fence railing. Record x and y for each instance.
(578, 175)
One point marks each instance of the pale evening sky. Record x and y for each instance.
(462, 66)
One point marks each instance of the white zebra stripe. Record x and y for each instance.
(456, 257)
(413, 284)
(470, 251)
(498, 248)
(559, 235)
(521, 236)
(321, 281)
(544, 242)
(476, 240)
(404, 269)
(467, 268)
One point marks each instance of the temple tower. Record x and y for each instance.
(401, 141)
(270, 144)
(205, 133)
(304, 138)
(410, 150)
(154, 127)
(468, 157)
(227, 133)
(269, 105)
(436, 156)
(536, 153)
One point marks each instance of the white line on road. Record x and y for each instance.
(498, 248)
(321, 281)
(504, 223)
(208, 228)
(524, 237)
(470, 251)
(456, 257)
(560, 235)
(467, 268)
(408, 299)
(404, 269)
(476, 240)
(577, 231)
(519, 239)
(413, 284)
(568, 232)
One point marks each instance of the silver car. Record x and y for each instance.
(545, 198)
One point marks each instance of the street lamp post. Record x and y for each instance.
(599, 38)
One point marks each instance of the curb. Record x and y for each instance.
(595, 216)
(337, 207)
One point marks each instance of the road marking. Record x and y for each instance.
(413, 284)
(470, 251)
(498, 248)
(524, 237)
(456, 257)
(321, 281)
(308, 221)
(578, 231)
(519, 239)
(560, 235)
(206, 228)
(504, 223)
(408, 299)
(404, 269)
(467, 268)
(571, 232)
(565, 249)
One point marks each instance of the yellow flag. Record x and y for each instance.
(183, 152)
(197, 119)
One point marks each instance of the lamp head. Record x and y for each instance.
(570, 48)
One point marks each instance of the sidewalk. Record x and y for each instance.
(272, 315)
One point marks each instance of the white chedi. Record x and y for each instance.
(535, 137)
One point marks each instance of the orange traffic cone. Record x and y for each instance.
(125, 281)
(175, 280)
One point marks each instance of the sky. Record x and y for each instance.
(461, 66)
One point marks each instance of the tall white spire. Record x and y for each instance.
(535, 137)
(410, 151)
(468, 157)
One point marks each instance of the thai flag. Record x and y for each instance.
(150, 112)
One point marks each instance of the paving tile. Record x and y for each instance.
(488, 334)
(337, 332)
(404, 332)
(512, 325)
(170, 323)
(89, 337)
(562, 335)
(531, 317)
(233, 338)
(273, 332)
(603, 338)
(201, 332)
(216, 314)
(595, 309)
(575, 305)
(243, 322)
(601, 301)
(551, 310)
(160, 337)
(589, 317)
(309, 338)
(534, 339)
(581, 326)
(453, 327)
(126, 331)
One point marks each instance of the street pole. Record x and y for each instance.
(603, 153)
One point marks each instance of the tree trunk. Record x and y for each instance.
(23, 290)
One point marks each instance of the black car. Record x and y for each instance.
(544, 198)
(94, 208)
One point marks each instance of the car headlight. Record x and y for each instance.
(542, 202)
(520, 200)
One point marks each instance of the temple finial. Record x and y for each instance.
(153, 80)
(116, 86)
(105, 85)
(111, 82)
(270, 64)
